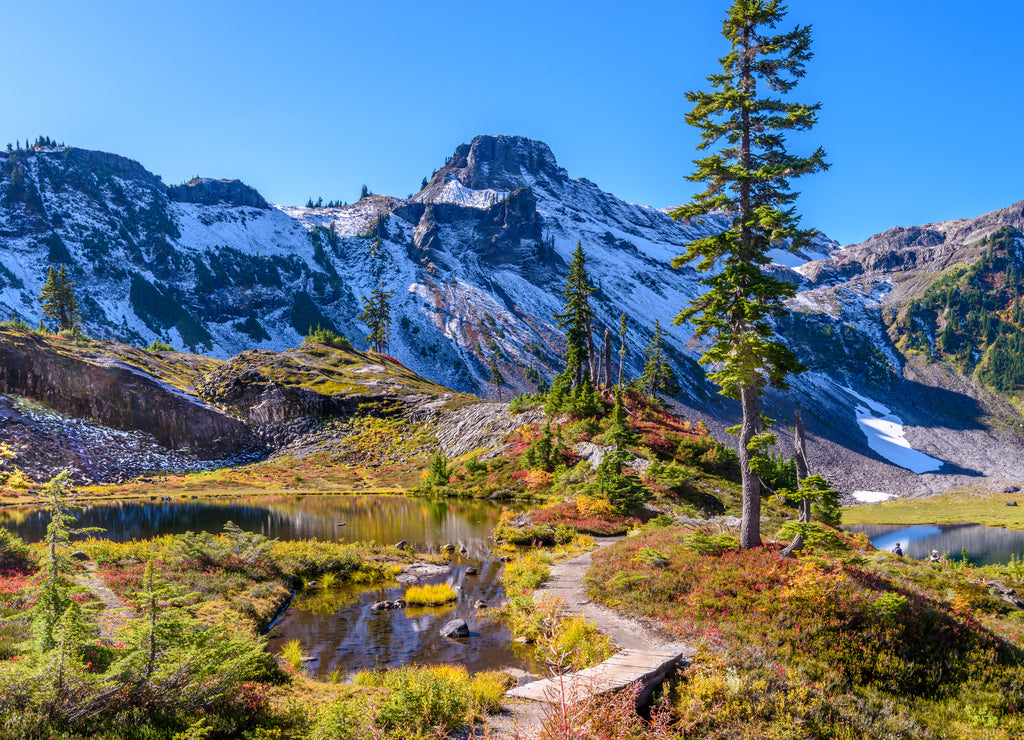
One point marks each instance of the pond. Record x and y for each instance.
(337, 626)
(984, 545)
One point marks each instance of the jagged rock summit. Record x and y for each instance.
(496, 163)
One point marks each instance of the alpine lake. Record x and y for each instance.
(337, 628)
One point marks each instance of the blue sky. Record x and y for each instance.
(921, 116)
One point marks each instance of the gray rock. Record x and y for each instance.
(1011, 503)
(79, 555)
(398, 604)
(471, 571)
(479, 604)
(380, 606)
(456, 629)
(401, 544)
(416, 571)
(209, 192)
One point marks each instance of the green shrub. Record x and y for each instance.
(701, 542)
(13, 552)
(159, 346)
(816, 535)
(327, 337)
(419, 700)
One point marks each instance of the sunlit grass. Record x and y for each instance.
(291, 651)
(979, 507)
(431, 594)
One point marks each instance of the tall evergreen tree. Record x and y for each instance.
(576, 319)
(743, 122)
(377, 316)
(495, 378)
(58, 299)
(658, 375)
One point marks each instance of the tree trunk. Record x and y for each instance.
(607, 358)
(591, 355)
(801, 463)
(750, 527)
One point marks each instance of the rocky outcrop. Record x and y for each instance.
(92, 386)
(499, 162)
(208, 192)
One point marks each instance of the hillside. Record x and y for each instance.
(111, 411)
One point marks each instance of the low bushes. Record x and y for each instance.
(837, 645)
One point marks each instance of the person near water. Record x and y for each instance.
(934, 557)
(898, 550)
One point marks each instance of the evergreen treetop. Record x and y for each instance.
(58, 299)
(743, 123)
(576, 319)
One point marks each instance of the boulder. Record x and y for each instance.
(401, 544)
(456, 629)
(471, 571)
(79, 555)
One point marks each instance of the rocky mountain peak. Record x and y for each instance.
(209, 192)
(499, 163)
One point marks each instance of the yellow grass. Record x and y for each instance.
(435, 593)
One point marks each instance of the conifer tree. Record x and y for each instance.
(377, 316)
(576, 319)
(743, 123)
(58, 299)
(658, 376)
(495, 378)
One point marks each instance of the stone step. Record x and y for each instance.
(648, 667)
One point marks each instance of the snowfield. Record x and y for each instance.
(885, 434)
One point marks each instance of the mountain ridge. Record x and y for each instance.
(476, 263)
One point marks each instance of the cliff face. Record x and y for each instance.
(99, 388)
(208, 192)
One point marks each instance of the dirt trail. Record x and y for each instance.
(524, 718)
(116, 613)
(566, 581)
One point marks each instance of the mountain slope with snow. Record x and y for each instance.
(476, 263)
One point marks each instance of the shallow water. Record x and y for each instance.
(984, 545)
(337, 626)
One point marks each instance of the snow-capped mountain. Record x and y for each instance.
(476, 263)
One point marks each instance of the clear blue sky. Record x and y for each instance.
(921, 117)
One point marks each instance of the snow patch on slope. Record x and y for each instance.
(885, 434)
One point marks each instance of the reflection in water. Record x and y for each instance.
(338, 626)
(354, 637)
(427, 525)
(984, 545)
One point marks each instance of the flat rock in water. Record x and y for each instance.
(457, 628)
(416, 571)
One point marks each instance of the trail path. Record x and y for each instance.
(116, 613)
(636, 637)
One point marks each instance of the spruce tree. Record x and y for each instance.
(58, 299)
(743, 123)
(576, 319)
(495, 378)
(377, 316)
(658, 376)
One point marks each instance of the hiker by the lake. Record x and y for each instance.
(934, 557)
(898, 550)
